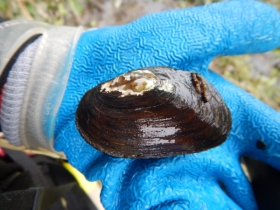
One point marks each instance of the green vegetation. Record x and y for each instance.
(238, 70)
(58, 12)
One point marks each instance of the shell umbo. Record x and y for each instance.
(153, 112)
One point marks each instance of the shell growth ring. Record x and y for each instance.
(153, 112)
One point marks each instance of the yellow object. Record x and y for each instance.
(83, 182)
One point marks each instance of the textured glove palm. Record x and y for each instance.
(183, 39)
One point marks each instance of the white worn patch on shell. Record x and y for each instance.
(135, 83)
(166, 86)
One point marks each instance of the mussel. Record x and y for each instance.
(153, 112)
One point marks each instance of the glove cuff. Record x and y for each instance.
(47, 79)
(13, 94)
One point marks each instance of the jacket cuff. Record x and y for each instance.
(47, 78)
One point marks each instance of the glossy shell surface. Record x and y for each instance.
(152, 113)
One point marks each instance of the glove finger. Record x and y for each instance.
(255, 126)
(218, 29)
(232, 178)
(262, 133)
(125, 181)
(183, 39)
(190, 38)
(160, 182)
(214, 199)
(93, 164)
(240, 190)
(78, 152)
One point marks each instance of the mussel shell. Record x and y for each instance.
(181, 114)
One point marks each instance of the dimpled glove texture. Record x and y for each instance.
(185, 39)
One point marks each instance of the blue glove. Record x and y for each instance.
(182, 39)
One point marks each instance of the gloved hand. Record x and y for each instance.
(182, 39)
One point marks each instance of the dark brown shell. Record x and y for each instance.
(182, 114)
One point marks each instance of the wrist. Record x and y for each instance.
(45, 84)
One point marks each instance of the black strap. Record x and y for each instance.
(13, 200)
(33, 198)
(47, 197)
(28, 165)
(42, 196)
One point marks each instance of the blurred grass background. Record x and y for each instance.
(258, 74)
